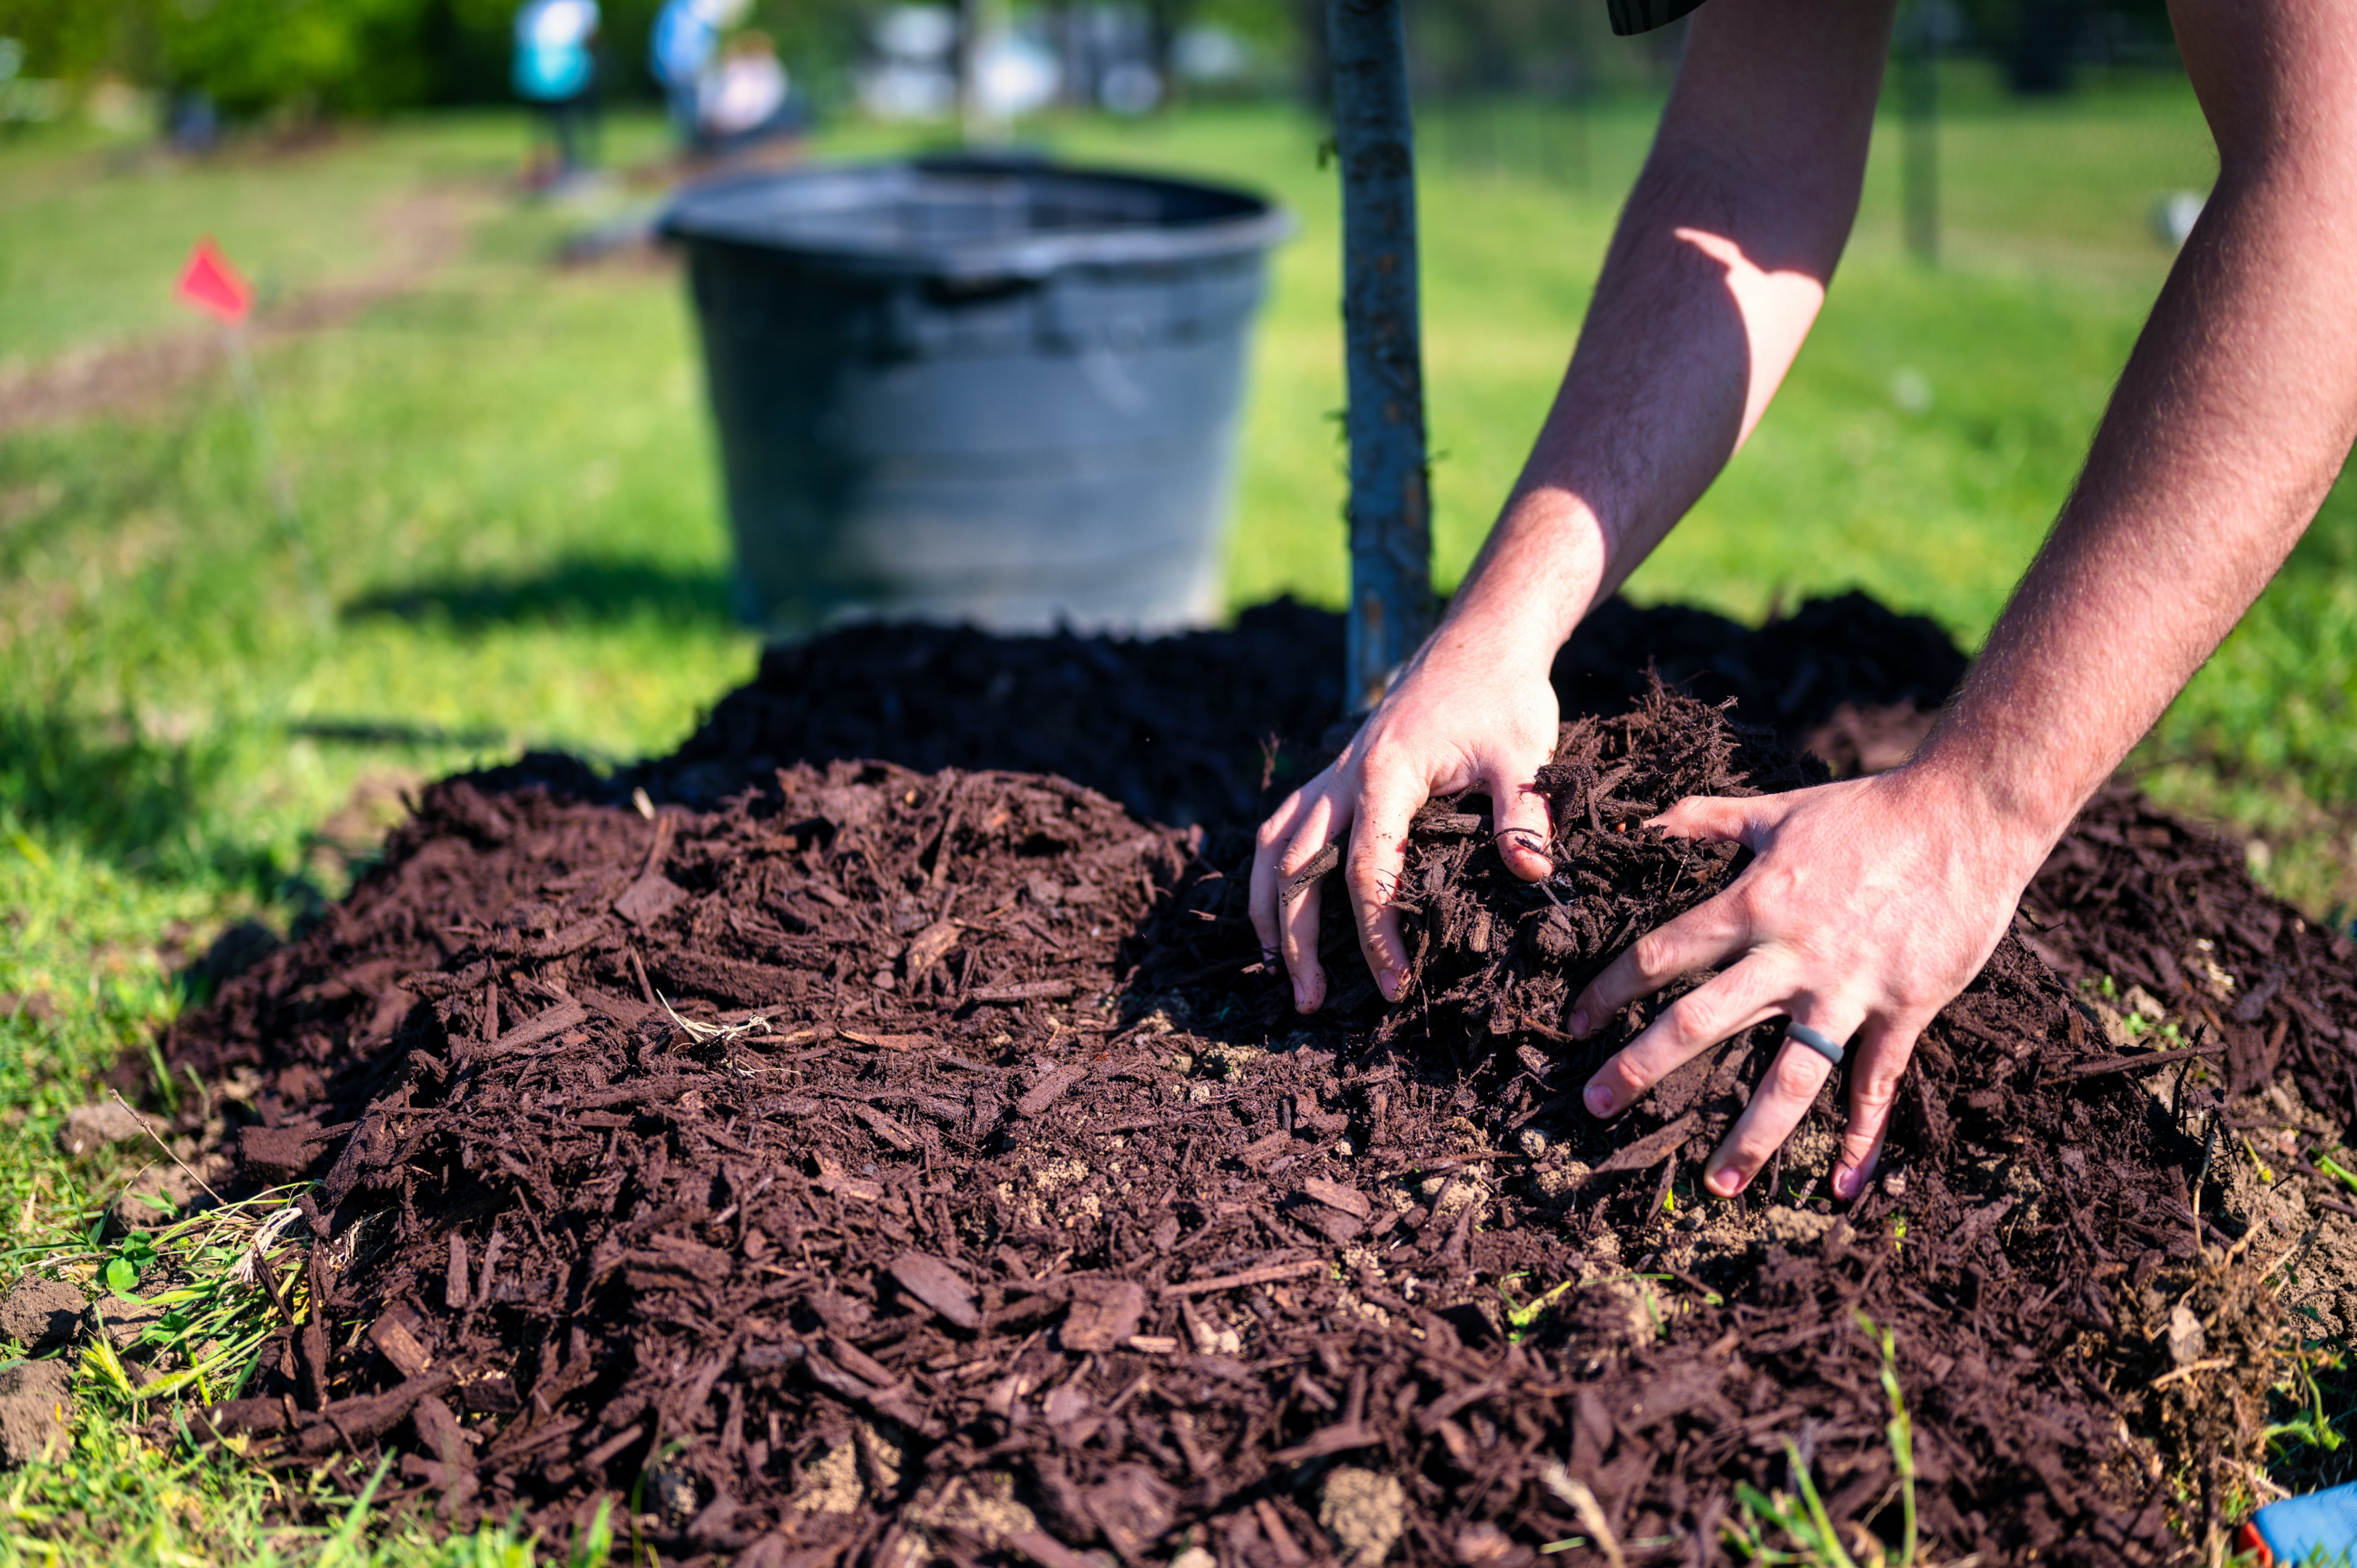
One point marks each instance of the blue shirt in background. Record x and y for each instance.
(684, 39)
(552, 61)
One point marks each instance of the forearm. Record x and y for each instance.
(1659, 393)
(1681, 350)
(1715, 276)
(2230, 423)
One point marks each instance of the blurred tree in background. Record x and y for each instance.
(2039, 43)
(305, 59)
(72, 38)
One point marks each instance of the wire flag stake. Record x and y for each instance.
(209, 283)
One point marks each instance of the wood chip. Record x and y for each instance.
(885, 1128)
(1268, 1273)
(1334, 1195)
(649, 899)
(1045, 1092)
(1447, 824)
(930, 946)
(1261, 1152)
(1340, 1438)
(938, 1285)
(886, 1042)
(832, 1179)
(391, 1337)
(1031, 991)
(572, 938)
(1104, 1313)
(1651, 1149)
(1321, 864)
(547, 1025)
(1046, 1551)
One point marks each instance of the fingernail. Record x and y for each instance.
(1390, 982)
(1599, 1100)
(1578, 1025)
(1300, 995)
(1845, 1182)
(1725, 1181)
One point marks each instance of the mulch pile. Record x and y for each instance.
(1196, 728)
(870, 1156)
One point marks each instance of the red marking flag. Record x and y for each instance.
(210, 284)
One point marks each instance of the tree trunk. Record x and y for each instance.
(1390, 506)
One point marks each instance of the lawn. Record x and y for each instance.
(506, 493)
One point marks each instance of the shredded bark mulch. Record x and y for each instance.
(1196, 728)
(2146, 900)
(864, 1161)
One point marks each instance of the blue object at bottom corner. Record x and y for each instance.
(2319, 1530)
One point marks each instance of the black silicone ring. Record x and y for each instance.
(1818, 1040)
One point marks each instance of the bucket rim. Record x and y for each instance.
(1258, 224)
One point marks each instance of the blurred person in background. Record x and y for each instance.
(684, 53)
(556, 69)
(746, 100)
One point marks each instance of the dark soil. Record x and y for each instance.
(872, 1164)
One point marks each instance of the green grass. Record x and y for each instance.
(505, 478)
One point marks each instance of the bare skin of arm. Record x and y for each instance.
(1714, 277)
(1872, 902)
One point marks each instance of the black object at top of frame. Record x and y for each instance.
(1643, 15)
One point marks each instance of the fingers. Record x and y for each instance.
(1882, 1052)
(1747, 994)
(1779, 1102)
(1324, 821)
(1719, 817)
(1519, 813)
(1286, 922)
(1268, 844)
(1704, 937)
(1378, 856)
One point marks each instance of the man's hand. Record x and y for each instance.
(1870, 904)
(1874, 902)
(1457, 718)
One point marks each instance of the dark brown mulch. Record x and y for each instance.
(2139, 897)
(1012, 1213)
(1180, 729)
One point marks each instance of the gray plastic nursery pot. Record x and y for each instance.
(971, 389)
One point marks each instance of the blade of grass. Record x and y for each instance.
(342, 1545)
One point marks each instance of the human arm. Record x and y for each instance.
(1714, 274)
(1871, 903)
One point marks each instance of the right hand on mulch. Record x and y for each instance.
(1455, 719)
(1869, 905)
